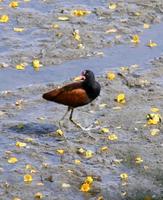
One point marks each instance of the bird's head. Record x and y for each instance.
(88, 75)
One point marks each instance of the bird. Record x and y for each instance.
(75, 94)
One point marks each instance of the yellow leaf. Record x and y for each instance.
(14, 4)
(81, 151)
(146, 26)
(112, 6)
(124, 176)
(135, 39)
(77, 162)
(59, 132)
(60, 151)
(55, 26)
(21, 144)
(20, 66)
(112, 30)
(81, 46)
(138, 160)
(76, 35)
(113, 137)
(111, 75)
(154, 109)
(153, 118)
(137, 13)
(16, 198)
(104, 130)
(100, 198)
(4, 18)
(89, 180)
(102, 105)
(154, 132)
(121, 98)
(38, 195)
(28, 178)
(152, 44)
(104, 148)
(80, 13)
(63, 18)
(12, 160)
(88, 154)
(36, 63)
(85, 187)
(18, 29)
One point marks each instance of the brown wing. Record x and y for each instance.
(71, 95)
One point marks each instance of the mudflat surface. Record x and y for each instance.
(26, 117)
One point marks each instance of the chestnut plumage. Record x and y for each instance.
(77, 93)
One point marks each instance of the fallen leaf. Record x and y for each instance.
(66, 185)
(20, 66)
(36, 63)
(146, 26)
(88, 154)
(89, 180)
(60, 151)
(104, 130)
(77, 162)
(112, 6)
(28, 178)
(152, 44)
(153, 118)
(104, 148)
(63, 18)
(76, 35)
(135, 39)
(112, 30)
(59, 132)
(138, 160)
(14, 4)
(80, 13)
(121, 98)
(124, 176)
(4, 18)
(85, 187)
(111, 75)
(12, 160)
(21, 144)
(113, 137)
(18, 29)
(154, 132)
(38, 195)
(154, 109)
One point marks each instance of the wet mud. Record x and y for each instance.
(26, 117)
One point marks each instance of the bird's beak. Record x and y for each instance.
(79, 78)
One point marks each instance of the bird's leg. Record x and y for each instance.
(61, 120)
(75, 123)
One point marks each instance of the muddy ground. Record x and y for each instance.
(26, 117)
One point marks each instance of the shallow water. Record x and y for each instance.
(113, 58)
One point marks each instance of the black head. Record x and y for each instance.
(88, 76)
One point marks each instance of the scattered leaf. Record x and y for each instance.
(124, 176)
(18, 29)
(66, 185)
(104, 148)
(146, 26)
(152, 44)
(135, 39)
(138, 160)
(88, 154)
(28, 178)
(21, 144)
(154, 109)
(113, 137)
(60, 151)
(154, 132)
(4, 18)
(77, 162)
(55, 26)
(85, 187)
(36, 63)
(121, 98)
(14, 4)
(76, 35)
(111, 75)
(112, 30)
(59, 132)
(153, 118)
(112, 6)
(80, 13)
(89, 180)
(104, 130)
(12, 160)
(38, 195)
(63, 18)
(20, 66)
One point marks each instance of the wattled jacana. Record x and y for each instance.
(76, 94)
